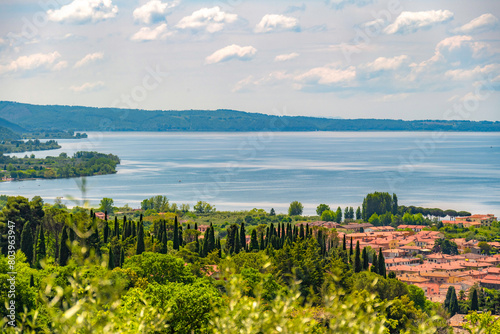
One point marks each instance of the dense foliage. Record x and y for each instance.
(27, 146)
(81, 164)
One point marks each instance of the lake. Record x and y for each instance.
(236, 171)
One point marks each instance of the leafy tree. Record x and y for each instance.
(111, 261)
(243, 237)
(483, 323)
(378, 203)
(176, 234)
(203, 207)
(272, 212)
(485, 247)
(358, 213)
(295, 208)
(328, 216)
(366, 264)
(351, 212)
(338, 215)
(106, 205)
(321, 208)
(394, 204)
(374, 267)
(445, 246)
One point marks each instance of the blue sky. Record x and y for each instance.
(404, 59)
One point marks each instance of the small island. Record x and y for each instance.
(62, 166)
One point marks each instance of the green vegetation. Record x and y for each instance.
(54, 134)
(38, 117)
(14, 146)
(81, 164)
(8, 134)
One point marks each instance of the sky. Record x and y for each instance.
(401, 59)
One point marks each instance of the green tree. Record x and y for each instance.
(40, 251)
(27, 242)
(243, 237)
(483, 323)
(176, 234)
(111, 261)
(394, 204)
(203, 207)
(378, 203)
(254, 244)
(381, 264)
(106, 205)
(366, 264)
(296, 208)
(328, 216)
(140, 240)
(357, 259)
(485, 247)
(272, 212)
(64, 252)
(474, 303)
(338, 215)
(321, 208)
(358, 213)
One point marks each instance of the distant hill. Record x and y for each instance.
(58, 117)
(8, 134)
(9, 125)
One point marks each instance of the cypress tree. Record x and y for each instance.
(164, 243)
(64, 251)
(374, 267)
(105, 233)
(27, 242)
(365, 259)
(211, 238)
(111, 261)
(301, 232)
(219, 247)
(122, 256)
(308, 232)
(350, 251)
(261, 241)
(134, 227)
(176, 234)
(41, 252)
(197, 246)
(357, 259)
(181, 239)
(453, 303)
(205, 246)
(237, 245)
(447, 300)
(140, 240)
(243, 237)
(344, 246)
(381, 264)
(32, 281)
(474, 305)
(117, 227)
(254, 244)
(196, 226)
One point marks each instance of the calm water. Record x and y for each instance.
(237, 171)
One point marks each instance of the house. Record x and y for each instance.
(100, 215)
(483, 220)
(456, 223)
(456, 323)
(354, 227)
(490, 282)
(414, 228)
(380, 229)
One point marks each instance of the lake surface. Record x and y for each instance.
(236, 171)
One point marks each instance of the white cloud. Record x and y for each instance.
(461, 48)
(482, 23)
(149, 34)
(231, 52)
(328, 75)
(385, 64)
(33, 62)
(275, 22)
(208, 19)
(339, 4)
(84, 11)
(409, 22)
(90, 58)
(286, 57)
(272, 78)
(153, 11)
(393, 97)
(88, 87)
(473, 74)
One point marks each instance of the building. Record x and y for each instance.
(483, 220)
(100, 215)
(414, 228)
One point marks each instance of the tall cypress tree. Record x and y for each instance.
(32, 281)
(301, 232)
(474, 305)
(41, 252)
(64, 252)
(374, 267)
(219, 246)
(308, 231)
(211, 238)
(176, 234)
(261, 241)
(117, 227)
(122, 256)
(111, 260)
(237, 245)
(453, 303)
(381, 264)
(243, 237)
(357, 259)
(350, 251)
(164, 243)
(254, 244)
(344, 246)
(365, 259)
(140, 240)
(105, 233)
(181, 239)
(27, 242)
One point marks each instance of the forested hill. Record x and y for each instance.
(57, 117)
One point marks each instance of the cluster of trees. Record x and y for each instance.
(478, 299)
(433, 212)
(27, 146)
(81, 164)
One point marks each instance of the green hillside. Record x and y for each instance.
(57, 117)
